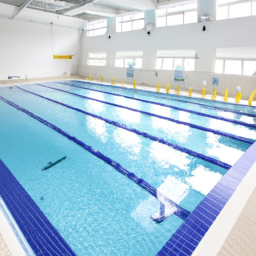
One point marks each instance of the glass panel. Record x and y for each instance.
(174, 20)
(126, 61)
(249, 68)
(178, 62)
(219, 66)
(189, 65)
(240, 10)
(253, 8)
(223, 2)
(129, 54)
(168, 64)
(97, 32)
(161, 21)
(138, 63)
(190, 17)
(138, 15)
(119, 63)
(97, 24)
(118, 24)
(233, 67)
(138, 24)
(159, 63)
(96, 62)
(222, 13)
(100, 55)
(128, 17)
(160, 12)
(127, 26)
(183, 7)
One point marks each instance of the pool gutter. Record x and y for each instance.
(207, 227)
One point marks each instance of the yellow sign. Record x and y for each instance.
(63, 57)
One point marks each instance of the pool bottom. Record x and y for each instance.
(94, 208)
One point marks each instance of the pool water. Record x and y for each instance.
(97, 210)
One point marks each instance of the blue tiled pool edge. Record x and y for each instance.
(187, 237)
(41, 235)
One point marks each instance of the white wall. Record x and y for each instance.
(27, 48)
(219, 34)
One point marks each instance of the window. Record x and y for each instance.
(168, 60)
(97, 59)
(228, 9)
(124, 58)
(235, 66)
(249, 68)
(183, 14)
(219, 66)
(96, 27)
(130, 22)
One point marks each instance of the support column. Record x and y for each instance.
(207, 6)
(149, 55)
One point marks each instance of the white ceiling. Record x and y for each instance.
(76, 10)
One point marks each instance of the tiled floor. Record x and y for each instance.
(4, 251)
(241, 239)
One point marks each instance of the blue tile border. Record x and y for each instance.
(41, 235)
(187, 237)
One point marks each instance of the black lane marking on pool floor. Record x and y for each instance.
(181, 212)
(174, 98)
(41, 235)
(146, 135)
(172, 107)
(161, 117)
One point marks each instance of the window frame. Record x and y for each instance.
(96, 58)
(234, 3)
(172, 14)
(129, 57)
(89, 30)
(173, 63)
(132, 21)
(234, 59)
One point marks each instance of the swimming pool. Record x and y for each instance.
(97, 210)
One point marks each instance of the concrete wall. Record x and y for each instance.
(27, 48)
(219, 34)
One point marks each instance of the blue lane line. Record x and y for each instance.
(41, 235)
(181, 212)
(161, 117)
(145, 135)
(174, 98)
(172, 107)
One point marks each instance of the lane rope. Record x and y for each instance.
(145, 135)
(172, 107)
(174, 98)
(161, 117)
(181, 212)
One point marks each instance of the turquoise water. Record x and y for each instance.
(96, 209)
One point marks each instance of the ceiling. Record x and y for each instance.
(73, 13)
(83, 9)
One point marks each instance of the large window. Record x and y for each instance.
(184, 14)
(246, 67)
(168, 60)
(125, 58)
(97, 59)
(96, 27)
(228, 9)
(130, 22)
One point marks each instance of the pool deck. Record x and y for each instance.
(234, 230)
(4, 250)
